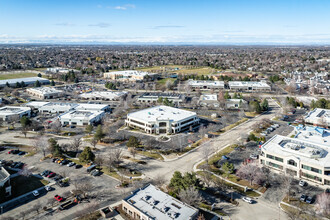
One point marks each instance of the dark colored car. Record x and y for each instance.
(303, 198)
(21, 153)
(19, 165)
(45, 173)
(78, 166)
(15, 152)
(54, 160)
(62, 184)
(64, 162)
(309, 200)
(58, 177)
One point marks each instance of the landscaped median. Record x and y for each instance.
(229, 127)
(231, 180)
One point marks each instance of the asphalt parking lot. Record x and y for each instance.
(102, 185)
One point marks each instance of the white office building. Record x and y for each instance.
(248, 86)
(319, 117)
(205, 85)
(129, 75)
(301, 158)
(104, 96)
(150, 203)
(162, 119)
(8, 113)
(45, 92)
(153, 97)
(81, 118)
(61, 107)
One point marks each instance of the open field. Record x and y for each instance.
(181, 69)
(17, 75)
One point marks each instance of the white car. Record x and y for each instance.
(247, 199)
(302, 183)
(35, 193)
(48, 188)
(71, 164)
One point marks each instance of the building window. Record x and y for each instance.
(311, 177)
(274, 165)
(274, 158)
(326, 182)
(292, 163)
(315, 170)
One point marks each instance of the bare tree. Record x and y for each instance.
(56, 127)
(220, 184)
(252, 173)
(190, 196)
(76, 144)
(287, 185)
(159, 180)
(25, 171)
(99, 160)
(109, 162)
(132, 151)
(24, 130)
(117, 155)
(94, 142)
(206, 152)
(206, 178)
(41, 144)
(323, 204)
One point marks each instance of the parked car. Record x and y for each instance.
(45, 173)
(48, 188)
(247, 199)
(58, 177)
(54, 160)
(58, 198)
(254, 156)
(64, 162)
(78, 166)
(95, 172)
(51, 175)
(21, 153)
(35, 193)
(309, 200)
(71, 164)
(62, 184)
(19, 165)
(302, 183)
(303, 198)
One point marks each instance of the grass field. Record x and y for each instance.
(163, 81)
(17, 75)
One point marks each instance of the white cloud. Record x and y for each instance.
(100, 25)
(123, 7)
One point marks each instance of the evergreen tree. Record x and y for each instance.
(52, 83)
(37, 84)
(99, 133)
(39, 75)
(227, 96)
(264, 105)
(18, 85)
(89, 129)
(25, 121)
(7, 84)
(87, 155)
(133, 142)
(23, 84)
(76, 80)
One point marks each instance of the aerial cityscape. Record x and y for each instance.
(164, 110)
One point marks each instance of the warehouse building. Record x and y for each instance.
(104, 96)
(248, 86)
(81, 118)
(8, 113)
(301, 158)
(130, 75)
(149, 203)
(45, 92)
(319, 117)
(27, 81)
(162, 120)
(60, 107)
(154, 97)
(205, 85)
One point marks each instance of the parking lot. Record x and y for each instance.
(103, 186)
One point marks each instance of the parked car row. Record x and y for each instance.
(12, 164)
(66, 162)
(18, 152)
(270, 129)
(307, 199)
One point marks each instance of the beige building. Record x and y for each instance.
(150, 203)
(301, 158)
(45, 92)
(129, 75)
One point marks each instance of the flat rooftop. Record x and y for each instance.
(212, 97)
(106, 94)
(159, 94)
(248, 83)
(314, 134)
(159, 205)
(79, 114)
(129, 73)
(45, 90)
(307, 151)
(161, 113)
(13, 110)
(205, 83)
(318, 113)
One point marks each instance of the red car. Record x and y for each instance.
(51, 175)
(58, 198)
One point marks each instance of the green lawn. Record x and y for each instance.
(163, 81)
(17, 75)
(156, 156)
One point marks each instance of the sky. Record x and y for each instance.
(165, 21)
